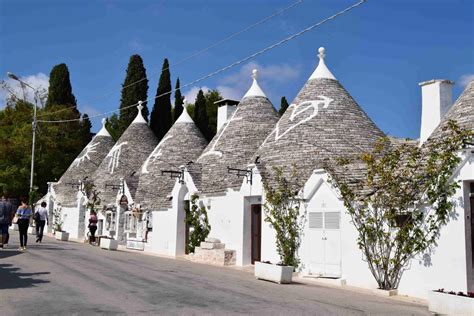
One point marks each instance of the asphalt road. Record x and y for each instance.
(67, 278)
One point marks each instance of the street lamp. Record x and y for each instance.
(24, 84)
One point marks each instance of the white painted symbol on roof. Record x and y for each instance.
(297, 110)
(114, 156)
(89, 149)
(155, 154)
(213, 150)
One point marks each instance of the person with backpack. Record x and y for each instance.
(41, 218)
(23, 214)
(92, 227)
(4, 222)
(10, 218)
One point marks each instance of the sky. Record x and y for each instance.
(379, 51)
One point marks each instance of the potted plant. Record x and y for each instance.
(283, 214)
(59, 234)
(451, 303)
(108, 243)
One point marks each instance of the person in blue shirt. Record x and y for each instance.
(24, 214)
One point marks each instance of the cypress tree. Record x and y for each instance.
(212, 96)
(200, 114)
(85, 129)
(283, 106)
(178, 102)
(60, 89)
(161, 120)
(134, 89)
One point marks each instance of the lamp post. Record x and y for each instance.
(24, 84)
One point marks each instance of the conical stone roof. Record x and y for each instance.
(462, 112)
(83, 166)
(237, 140)
(182, 144)
(322, 122)
(124, 159)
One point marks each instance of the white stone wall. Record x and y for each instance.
(70, 216)
(168, 235)
(451, 266)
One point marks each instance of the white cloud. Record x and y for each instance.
(465, 79)
(191, 94)
(89, 110)
(40, 82)
(234, 86)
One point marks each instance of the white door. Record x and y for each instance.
(325, 243)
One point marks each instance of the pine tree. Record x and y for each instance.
(178, 102)
(134, 89)
(200, 114)
(161, 120)
(60, 89)
(283, 106)
(212, 96)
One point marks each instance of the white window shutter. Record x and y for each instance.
(315, 220)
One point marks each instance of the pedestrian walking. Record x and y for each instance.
(92, 227)
(4, 222)
(41, 218)
(24, 214)
(10, 218)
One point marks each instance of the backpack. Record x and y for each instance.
(4, 217)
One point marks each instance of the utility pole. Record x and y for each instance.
(24, 84)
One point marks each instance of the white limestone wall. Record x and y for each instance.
(227, 222)
(451, 265)
(169, 229)
(70, 216)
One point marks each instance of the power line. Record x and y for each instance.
(200, 52)
(212, 74)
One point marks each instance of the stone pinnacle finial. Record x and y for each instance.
(103, 121)
(322, 52)
(140, 106)
(254, 74)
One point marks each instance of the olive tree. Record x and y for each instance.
(284, 214)
(403, 200)
(197, 221)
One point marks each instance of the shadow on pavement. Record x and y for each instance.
(10, 278)
(9, 253)
(49, 247)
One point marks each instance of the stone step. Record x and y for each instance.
(211, 239)
(212, 245)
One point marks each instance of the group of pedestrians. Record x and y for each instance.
(22, 218)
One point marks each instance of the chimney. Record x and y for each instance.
(436, 99)
(225, 110)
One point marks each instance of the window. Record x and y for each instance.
(326, 220)
(130, 222)
(110, 221)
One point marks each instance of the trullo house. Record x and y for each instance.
(156, 221)
(216, 177)
(117, 176)
(67, 195)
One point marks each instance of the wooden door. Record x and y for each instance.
(256, 232)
